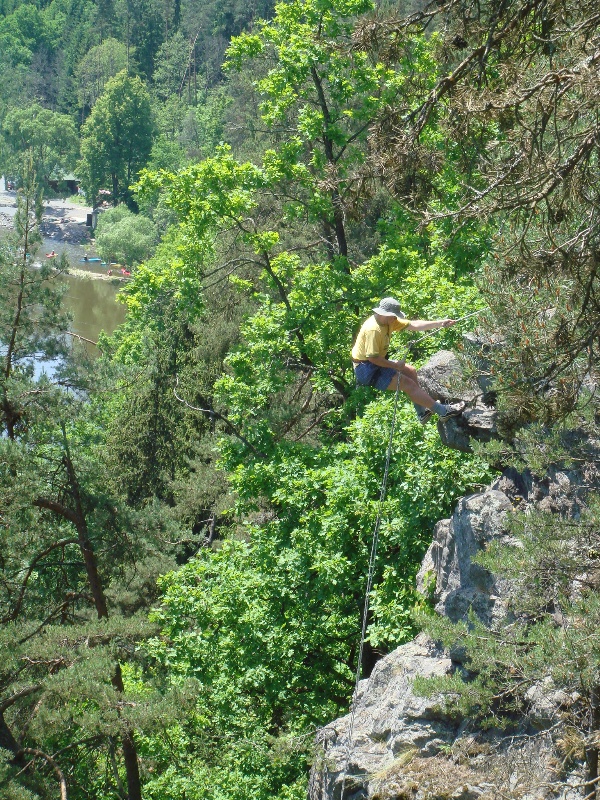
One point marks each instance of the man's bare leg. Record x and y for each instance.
(411, 388)
(420, 397)
(423, 412)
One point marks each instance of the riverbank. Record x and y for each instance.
(91, 292)
(64, 230)
(62, 221)
(66, 222)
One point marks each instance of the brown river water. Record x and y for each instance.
(90, 298)
(94, 307)
(92, 301)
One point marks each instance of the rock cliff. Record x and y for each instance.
(400, 746)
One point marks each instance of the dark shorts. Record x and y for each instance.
(368, 374)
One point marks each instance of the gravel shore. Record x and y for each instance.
(61, 221)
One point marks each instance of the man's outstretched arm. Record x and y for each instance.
(429, 324)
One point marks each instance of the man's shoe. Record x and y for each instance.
(425, 416)
(454, 410)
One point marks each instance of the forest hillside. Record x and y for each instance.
(186, 518)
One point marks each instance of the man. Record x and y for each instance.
(373, 368)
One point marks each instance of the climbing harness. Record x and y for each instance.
(371, 570)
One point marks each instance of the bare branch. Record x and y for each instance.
(30, 751)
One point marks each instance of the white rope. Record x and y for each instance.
(370, 573)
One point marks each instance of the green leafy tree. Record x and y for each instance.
(125, 237)
(311, 91)
(24, 37)
(204, 127)
(171, 64)
(290, 581)
(141, 29)
(287, 378)
(116, 139)
(49, 137)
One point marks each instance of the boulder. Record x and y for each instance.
(474, 423)
(442, 378)
(404, 747)
(389, 722)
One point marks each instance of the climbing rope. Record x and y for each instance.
(372, 559)
(371, 570)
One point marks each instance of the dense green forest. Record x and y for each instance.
(185, 520)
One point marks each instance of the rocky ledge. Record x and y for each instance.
(404, 748)
(442, 378)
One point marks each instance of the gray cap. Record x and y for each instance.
(389, 307)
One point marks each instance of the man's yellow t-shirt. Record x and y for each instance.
(374, 339)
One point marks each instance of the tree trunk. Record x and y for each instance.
(10, 414)
(89, 557)
(77, 516)
(8, 742)
(336, 200)
(591, 752)
(132, 769)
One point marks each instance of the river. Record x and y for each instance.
(93, 306)
(91, 301)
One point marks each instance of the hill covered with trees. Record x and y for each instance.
(186, 520)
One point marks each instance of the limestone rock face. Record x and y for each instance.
(441, 376)
(474, 423)
(448, 574)
(390, 721)
(459, 584)
(404, 747)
